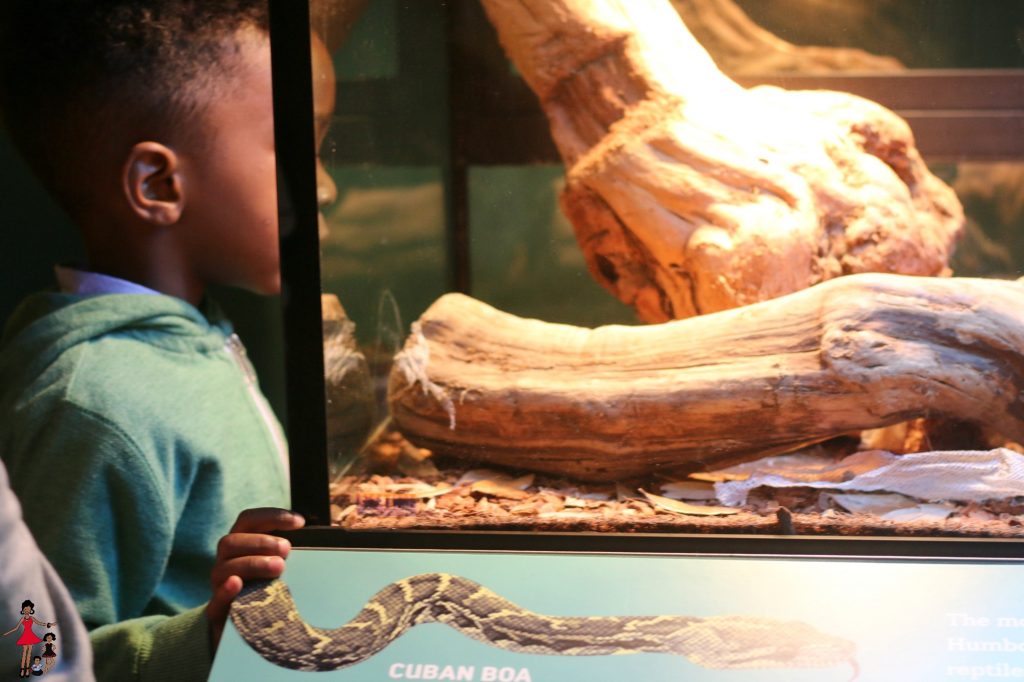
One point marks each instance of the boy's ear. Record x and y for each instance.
(153, 184)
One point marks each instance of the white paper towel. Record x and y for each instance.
(963, 475)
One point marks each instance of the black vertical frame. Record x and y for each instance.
(300, 257)
(457, 171)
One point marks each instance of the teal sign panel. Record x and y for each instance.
(369, 615)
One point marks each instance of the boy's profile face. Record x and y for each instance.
(233, 173)
(324, 88)
(231, 185)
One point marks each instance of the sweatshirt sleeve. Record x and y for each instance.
(154, 649)
(103, 513)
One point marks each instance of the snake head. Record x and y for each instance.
(755, 642)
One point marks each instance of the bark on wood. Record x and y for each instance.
(616, 402)
(690, 194)
(739, 46)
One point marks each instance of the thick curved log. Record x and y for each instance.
(690, 194)
(618, 402)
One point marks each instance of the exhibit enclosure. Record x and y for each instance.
(656, 338)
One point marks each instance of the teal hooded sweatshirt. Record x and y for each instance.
(134, 434)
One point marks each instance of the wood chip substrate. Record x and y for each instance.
(398, 486)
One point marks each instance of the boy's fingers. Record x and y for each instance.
(247, 553)
(223, 595)
(242, 544)
(262, 519)
(219, 605)
(247, 568)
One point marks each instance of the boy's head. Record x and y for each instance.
(151, 122)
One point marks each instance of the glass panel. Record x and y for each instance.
(916, 34)
(439, 171)
(383, 155)
(993, 198)
(523, 248)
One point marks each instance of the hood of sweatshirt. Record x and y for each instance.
(50, 323)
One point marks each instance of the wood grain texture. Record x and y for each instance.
(690, 194)
(617, 402)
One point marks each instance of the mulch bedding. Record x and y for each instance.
(398, 486)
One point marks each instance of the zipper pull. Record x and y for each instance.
(236, 349)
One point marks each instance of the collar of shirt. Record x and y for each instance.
(85, 283)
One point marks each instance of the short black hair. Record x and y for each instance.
(29, 604)
(68, 68)
(50, 634)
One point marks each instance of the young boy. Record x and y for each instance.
(130, 420)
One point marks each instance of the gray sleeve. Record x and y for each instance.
(26, 574)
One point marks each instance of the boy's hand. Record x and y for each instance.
(247, 553)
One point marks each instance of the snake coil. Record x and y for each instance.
(267, 618)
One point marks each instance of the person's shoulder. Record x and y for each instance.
(133, 362)
(144, 381)
(105, 368)
(50, 326)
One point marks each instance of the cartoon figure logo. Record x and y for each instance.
(49, 651)
(33, 665)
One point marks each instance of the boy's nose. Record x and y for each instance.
(326, 190)
(326, 194)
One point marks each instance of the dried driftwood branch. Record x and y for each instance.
(619, 402)
(690, 194)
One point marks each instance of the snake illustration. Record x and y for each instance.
(267, 618)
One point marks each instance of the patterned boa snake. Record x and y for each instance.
(267, 618)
